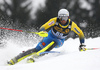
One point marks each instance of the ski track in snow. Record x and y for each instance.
(69, 58)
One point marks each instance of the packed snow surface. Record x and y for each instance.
(69, 58)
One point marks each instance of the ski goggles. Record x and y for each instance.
(63, 18)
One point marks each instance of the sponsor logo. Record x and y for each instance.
(43, 44)
(51, 23)
(61, 30)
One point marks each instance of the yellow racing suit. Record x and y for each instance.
(61, 31)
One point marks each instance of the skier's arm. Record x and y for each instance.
(48, 24)
(78, 31)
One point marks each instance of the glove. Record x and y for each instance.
(82, 47)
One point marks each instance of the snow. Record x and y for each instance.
(69, 58)
(85, 5)
(35, 4)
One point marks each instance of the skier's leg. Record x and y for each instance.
(49, 49)
(45, 45)
(44, 42)
(59, 42)
(37, 54)
(27, 53)
(22, 56)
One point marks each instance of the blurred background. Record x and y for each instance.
(31, 14)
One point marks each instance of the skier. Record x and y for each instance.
(60, 28)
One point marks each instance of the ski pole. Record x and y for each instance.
(41, 33)
(85, 49)
(92, 48)
(11, 29)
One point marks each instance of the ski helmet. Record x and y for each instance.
(63, 14)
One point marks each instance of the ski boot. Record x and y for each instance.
(21, 56)
(12, 61)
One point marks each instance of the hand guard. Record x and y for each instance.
(43, 33)
(82, 47)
